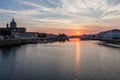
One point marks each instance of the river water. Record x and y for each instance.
(73, 60)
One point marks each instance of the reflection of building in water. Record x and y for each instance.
(8, 63)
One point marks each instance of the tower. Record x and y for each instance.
(7, 25)
(13, 24)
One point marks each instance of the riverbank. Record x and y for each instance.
(105, 40)
(109, 44)
(15, 42)
(111, 41)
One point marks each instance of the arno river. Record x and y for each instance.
(73, 60)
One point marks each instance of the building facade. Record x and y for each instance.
(12, 31)
(111, 34)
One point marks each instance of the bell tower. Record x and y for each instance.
(7, 25)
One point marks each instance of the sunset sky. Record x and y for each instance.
(62, 16)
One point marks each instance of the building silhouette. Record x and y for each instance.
(13, 24)
(11, 30)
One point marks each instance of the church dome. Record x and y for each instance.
(13, 24)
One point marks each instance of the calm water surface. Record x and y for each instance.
(74, 60)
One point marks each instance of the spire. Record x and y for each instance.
(7, 25)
